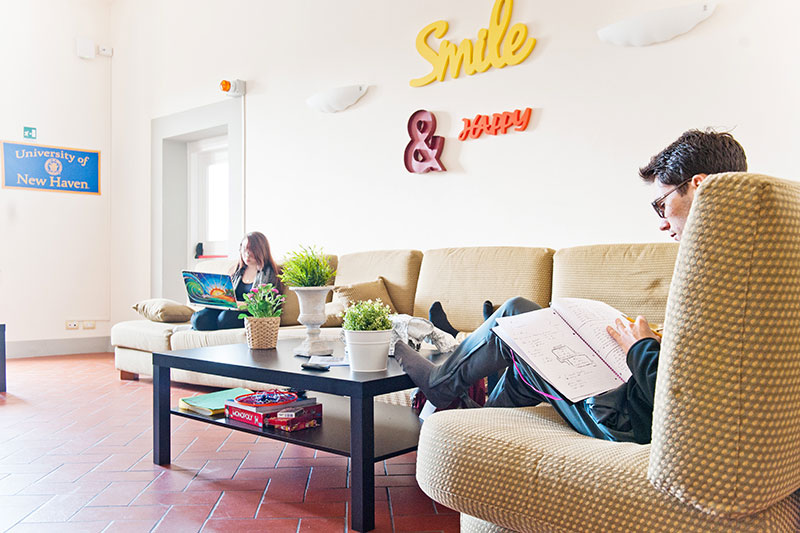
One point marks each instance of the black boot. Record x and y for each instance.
(488, 309)
(438, 318)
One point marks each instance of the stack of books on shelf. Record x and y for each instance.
(281, 410)
(211, 404)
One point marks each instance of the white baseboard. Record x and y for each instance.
(18, 349)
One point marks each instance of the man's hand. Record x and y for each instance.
(626, 334)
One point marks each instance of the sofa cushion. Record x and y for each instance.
(634, 278)
(186, 339)
(463, 278)
(332, 312)
(368, 290)
(399, 269)
(163, 310)
(142, 335)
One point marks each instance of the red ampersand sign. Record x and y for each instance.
(423, 152)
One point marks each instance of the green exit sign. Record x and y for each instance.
(28, 133)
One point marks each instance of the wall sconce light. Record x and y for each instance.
(233, 88)
(656, 26)
(338, 99)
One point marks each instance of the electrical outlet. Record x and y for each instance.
(88, 324)
(71, 324)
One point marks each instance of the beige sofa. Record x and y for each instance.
(632, 277)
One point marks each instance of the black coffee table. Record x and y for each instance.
(364, 430)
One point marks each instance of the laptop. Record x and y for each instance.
(210, 290)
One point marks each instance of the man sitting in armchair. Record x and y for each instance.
(623, 414)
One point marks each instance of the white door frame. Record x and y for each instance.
(169, 232)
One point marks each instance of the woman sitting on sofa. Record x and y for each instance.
(255, 266)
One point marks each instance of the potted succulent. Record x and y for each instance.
(368, 334)
(264, 305)
(306, 272)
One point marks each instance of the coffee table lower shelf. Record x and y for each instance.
(396, 428)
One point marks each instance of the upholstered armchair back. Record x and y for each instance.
(727, 406)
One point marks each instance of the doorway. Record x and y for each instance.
(213, 212)
(197, 193)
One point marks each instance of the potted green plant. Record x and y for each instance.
(306, 272)
(265, 306)
(368, 333)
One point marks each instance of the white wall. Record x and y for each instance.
(54, 247)
(600, 111)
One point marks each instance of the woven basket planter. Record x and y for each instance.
(262, 333)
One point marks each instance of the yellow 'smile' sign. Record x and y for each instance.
(494, 47)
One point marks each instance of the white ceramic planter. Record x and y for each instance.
(312, 316)
(368, 350)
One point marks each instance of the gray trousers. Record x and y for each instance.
(483, 353)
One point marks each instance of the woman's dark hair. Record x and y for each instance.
(695, 152)
(259, 247)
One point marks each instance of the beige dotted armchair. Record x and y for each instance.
(725, 454)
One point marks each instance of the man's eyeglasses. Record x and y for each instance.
(658, 203)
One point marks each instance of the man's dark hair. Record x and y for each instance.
(695, 152)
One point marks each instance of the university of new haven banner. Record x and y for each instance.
(50, 168)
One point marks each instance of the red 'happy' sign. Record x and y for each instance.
(497, 123)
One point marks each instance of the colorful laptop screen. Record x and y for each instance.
(213, 290)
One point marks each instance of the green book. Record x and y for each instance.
(212, 403)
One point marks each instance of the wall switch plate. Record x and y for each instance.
(85, 48)
(88, 324)
(71, 324)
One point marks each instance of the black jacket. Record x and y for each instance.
(265, 275)
(629, 408)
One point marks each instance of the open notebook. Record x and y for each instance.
(567, 344)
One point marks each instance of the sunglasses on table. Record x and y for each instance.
(658, 203)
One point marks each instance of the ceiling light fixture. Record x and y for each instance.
(656, 26)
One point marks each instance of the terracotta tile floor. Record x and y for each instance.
(76, 455)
